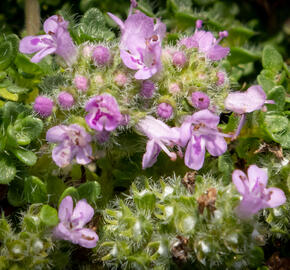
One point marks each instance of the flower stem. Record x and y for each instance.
(32, 17)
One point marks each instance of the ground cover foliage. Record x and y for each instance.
(145, 135)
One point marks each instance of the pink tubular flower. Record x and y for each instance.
(200, 132)
(140, 47)
(73, 141)
(57, 40)
(245, 102)
(206, 43)
(159, 135)
(255, 194)
(148, 89)
(104, 113)
(179, 59)
(72, 222)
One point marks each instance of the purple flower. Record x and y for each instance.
(200, 131)
(140, 47)
(255, 194)
(57, 40)
(73, 141)
(65, 100)
(104, 113)
(164, 110)
(72, 222)
(245, 102)
(200, 100)
(206, 43)
(43, 106)
(101, 55)
(160, 136)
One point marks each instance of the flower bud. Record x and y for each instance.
(179, 59)
(200, 100)
(43, 106)
(221, 78)
(148, 88)
(164, 110)
(101, 55)
(120, 79)
(81, 83)
(65, 100)
(174, 88)
(87, 51)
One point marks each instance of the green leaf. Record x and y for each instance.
(34, 190)
(28, 129)
(277, 94)
(266, 83)
(24, 65)
(271, 58)
(276, 123)
(15, 193)
(225, 165)
(7, 170)
(48, 215)
(55, 188)
(93, 27)
(25, 156)
(70, 191)
(241, 56)
(6, 55)
(89, 191)
(10, 111)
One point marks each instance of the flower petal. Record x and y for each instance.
(195, 151)
(82, 156)
(217, 52)
(241, 181)
(62, 155)
(257, 174)
(117, 21)
(151, 154)
(65, 209)
(82, 213)
(215, 145)
(277, 197)
(129, 60)
(87, 238)
(32, 44)
(207, 117)
(56, 134)
(61, 232)
(41, 54)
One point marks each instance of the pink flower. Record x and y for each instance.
(140, 47)
(255, 194)
(200, 132)
(57, 40)
(160, 136)
(206, 43)
(73, 142)
(72, 222)
(103, 113)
